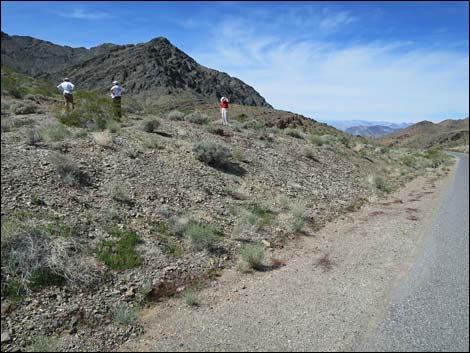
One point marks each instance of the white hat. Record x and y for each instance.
(66, 79)
(115, 82)
(222, 99)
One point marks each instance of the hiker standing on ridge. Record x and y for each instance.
(67, 87)
(116, 92)
(224, 109)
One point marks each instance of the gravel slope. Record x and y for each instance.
(304, 306)
(429, 310)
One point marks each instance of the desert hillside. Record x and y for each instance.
(153, 69)
(101, 217)
(448, 134)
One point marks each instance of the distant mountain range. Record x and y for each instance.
(346, 124)
(425, 134)
(155, 68)
(374, 131)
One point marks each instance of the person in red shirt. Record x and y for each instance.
(224, 109)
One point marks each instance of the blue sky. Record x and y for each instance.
(392, 61)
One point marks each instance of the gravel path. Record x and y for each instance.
(305, 306)
(429, 310)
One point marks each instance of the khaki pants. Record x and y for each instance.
(117, 106)
(68, 98)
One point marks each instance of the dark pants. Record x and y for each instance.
(117, 106)
(68, 97)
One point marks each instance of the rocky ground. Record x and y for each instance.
(160, 180)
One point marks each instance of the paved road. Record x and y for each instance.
(429, 311)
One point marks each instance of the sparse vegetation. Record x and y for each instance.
(212, 153)
(253, 256)
(197, 118)
(92, 111)
(152, 142)
(191, 298)
(381, 185)
(120, 193)
(151, 125)
(69, 170)
(24, 107)
(120, 254)
(176, 115)
(293, 133)
(39, 254)
(125, 315)
(43, 343)
(201, 236)
(104, 139)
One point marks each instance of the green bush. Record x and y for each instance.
(293, 133)
(202, 236)
(197, 118)
(92, 111)
(212, 153)
(125, 315)
(253, 255)
(120, 254)
(381, 185)
(69, 170)
(191, 298)
(176, 115)
(151, 125)
(24, 108)
(42, 343)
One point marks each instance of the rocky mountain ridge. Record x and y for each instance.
(152, 69)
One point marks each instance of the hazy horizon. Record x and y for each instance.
(338, 61)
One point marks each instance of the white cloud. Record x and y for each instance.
(380, 80)
(84, 15)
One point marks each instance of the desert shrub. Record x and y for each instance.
(33, 136)
(191, 298)
(104, 139)
(346, 141)
(151, 125)
(212, 153)
(253, 255)
(120, 193)
(299, 219)
(435, 157)
(92, 111)
(293, 133)
(409, 161)
(152, 142)
(119, 254)
(197, 118)
(310, 154)
(176, 115)
(35, 254)
(132, 105)
(381, 185)
(316, 140)
(238, 155)
(68, 170)
(43, 343)
(24, 108)
(253, 124)
(201, 236)
(125, 315)
(54, 132)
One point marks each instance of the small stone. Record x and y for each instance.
(266, 243)
(5, 337)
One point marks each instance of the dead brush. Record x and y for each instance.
(277, 263)
(325, 262)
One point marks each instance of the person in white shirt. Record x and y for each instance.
(67, 87)
(116, 92)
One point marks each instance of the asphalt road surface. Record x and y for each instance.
(429, 311)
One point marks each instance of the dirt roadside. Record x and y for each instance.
(310, 304)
